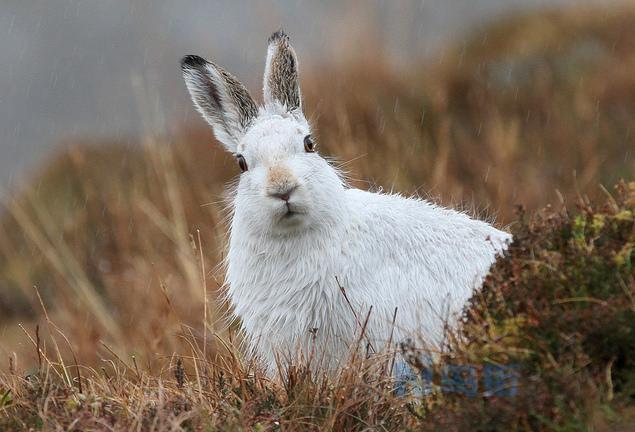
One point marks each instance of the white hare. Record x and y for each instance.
(309, 256)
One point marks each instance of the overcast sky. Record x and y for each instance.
(68, 66)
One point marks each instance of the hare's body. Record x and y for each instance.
(385, 251)
(308, 256)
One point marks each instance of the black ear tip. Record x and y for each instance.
(279, 35)
(192, 62)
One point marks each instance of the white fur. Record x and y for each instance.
(387, 251)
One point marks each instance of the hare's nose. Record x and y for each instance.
(281, 182)
(284, 195)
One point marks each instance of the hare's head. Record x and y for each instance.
(284, 185)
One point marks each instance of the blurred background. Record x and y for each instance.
(112, 187)
(68, 65)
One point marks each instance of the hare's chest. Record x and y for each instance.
(294, 294)
(286, 302)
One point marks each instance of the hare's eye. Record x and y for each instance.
(309, 144)
(242, 163)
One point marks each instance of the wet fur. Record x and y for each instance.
(303, 281)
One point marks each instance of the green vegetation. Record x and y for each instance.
(561, 308)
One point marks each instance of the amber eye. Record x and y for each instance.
(309, 144)
(242, 163)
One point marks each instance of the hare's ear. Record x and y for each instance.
(281, 81)
(220, 98)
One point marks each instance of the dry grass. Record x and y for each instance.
(123, 240)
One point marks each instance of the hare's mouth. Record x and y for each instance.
(292, 211)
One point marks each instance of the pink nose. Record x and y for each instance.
(284, 195)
